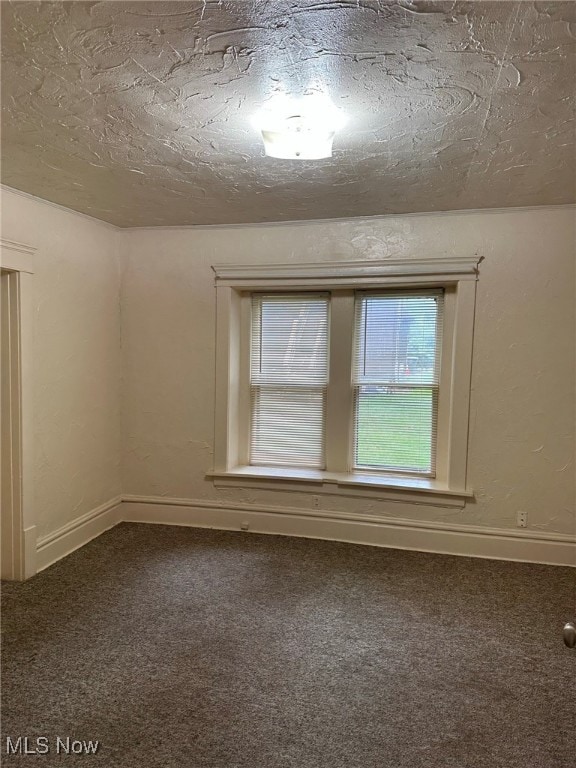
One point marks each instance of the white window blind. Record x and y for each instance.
(288, 379)
(396, 374)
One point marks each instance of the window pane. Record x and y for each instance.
(395, 429)
(288, 426)
(290, 339)
(397, 339)
(288, 377)
(396, 374)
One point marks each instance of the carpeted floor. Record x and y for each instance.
(186, 648)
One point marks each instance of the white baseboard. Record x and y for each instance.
(65, 540)
(470, 541)
(30, 552)
(441, 538)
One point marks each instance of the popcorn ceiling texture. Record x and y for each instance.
(138, 113)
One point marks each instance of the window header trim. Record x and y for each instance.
(342, 273)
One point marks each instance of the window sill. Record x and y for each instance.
(390, 487)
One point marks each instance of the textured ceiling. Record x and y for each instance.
(139, 113)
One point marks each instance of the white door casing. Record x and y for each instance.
(17, 518)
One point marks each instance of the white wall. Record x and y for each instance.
(76, 358)
(522, 421)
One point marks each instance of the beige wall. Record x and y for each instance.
(522, 420)
(522, 435)
(76, 358)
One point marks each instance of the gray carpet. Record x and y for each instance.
(185, 648)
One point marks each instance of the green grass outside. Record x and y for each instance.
(407, 416)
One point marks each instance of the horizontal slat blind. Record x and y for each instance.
(288, 379)
(397, 347)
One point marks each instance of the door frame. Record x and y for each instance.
(19, 522)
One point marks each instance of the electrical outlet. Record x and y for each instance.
(316, 502)
(521, 519)
(244, 525)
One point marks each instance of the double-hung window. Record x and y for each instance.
(396, 378)
(353, 378)
(288, 379)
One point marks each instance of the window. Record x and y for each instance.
(351, 378)
(288, 379)
(396, 377)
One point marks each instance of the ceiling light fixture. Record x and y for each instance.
(299, 130)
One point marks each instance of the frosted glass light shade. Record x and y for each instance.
(297, 140)
(299, 129)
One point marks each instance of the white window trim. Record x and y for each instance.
(234, 284)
